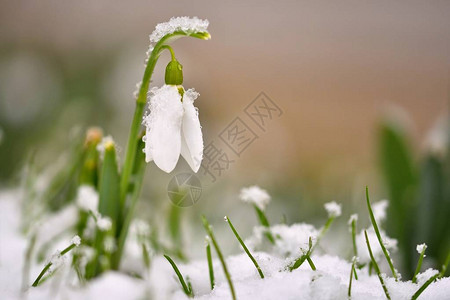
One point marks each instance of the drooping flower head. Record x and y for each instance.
(173, 128)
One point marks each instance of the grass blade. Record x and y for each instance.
(377, 232)
(236, 234)
(186, 289)
(210, 264)
(375, 266)
(219, 254)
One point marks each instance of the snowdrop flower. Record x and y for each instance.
(333, 209)
(173, 126)
(255, 195)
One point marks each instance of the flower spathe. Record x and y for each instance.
(173, 128)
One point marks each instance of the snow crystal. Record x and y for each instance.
(87, 198)
(76, 240)
(104, 223)
(255, 195)
(184, 24)
(140, 228)
(106, 142)
(352, 218)
(424, 276)
(379, 210)
(289, 239)
(333, 209)
(421, 248)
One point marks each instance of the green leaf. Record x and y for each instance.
(109, 194)
(400, 177)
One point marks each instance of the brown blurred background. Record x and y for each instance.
(334, 68)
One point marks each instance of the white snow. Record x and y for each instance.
(104, 223)
(255, 195)
(379, 210)
(76, 240)
(363, 253)
(87, 198)
(421, 248)
(329, 281)
(184, 24)
(333, 209)
(352, 218)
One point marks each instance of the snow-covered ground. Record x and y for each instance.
(329, 281)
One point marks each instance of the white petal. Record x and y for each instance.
(191, 132)
(163, 136)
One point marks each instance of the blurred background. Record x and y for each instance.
(337, 71)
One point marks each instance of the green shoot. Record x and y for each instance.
(377, 232)
(323, 231)
(375, 266)
(432, 279)
(187, 288)
(421, 249)
(209, 231)
(210, 264)
(75, 243)
(307, 256)
(352, 271)
(244, 247)
(352, 223)
(264, 222)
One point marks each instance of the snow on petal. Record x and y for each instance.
(163, 123)
(191, 132)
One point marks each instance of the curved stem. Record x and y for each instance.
(133, 137)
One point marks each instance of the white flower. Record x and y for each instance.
(87, 198)
(173, 128)
(420, 248)
(255, 195)
(333, 209)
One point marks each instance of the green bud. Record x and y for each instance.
(174, 73)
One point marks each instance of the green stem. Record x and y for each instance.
(219, 254)
(322, 232)
(352, 270)
(419, 265)
(139, 176)
(264, 222)
(377, 232)
(375, 266)
(244, 247)
(355, 249)
(141, 101)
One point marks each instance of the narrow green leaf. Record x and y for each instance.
(109, 195)
(187, 290)
(400, 176)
